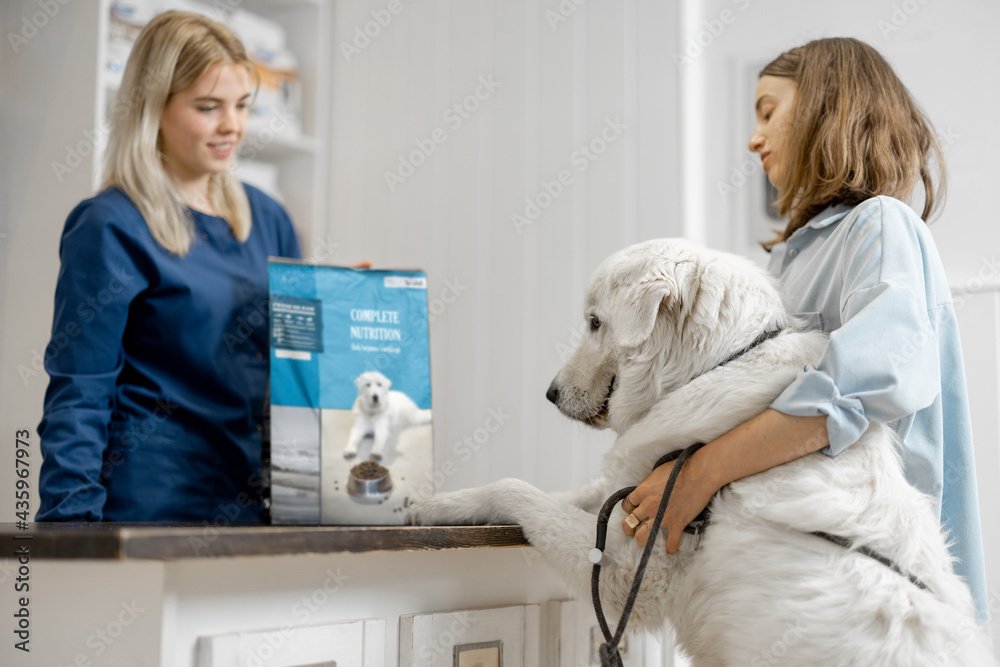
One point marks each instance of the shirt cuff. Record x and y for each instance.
(813, 393)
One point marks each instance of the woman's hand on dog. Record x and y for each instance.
(769, 439)
(692, 493)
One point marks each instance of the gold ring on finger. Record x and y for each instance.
(629, 505)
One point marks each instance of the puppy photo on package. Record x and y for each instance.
(351, 435)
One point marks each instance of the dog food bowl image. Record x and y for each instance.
(369, 481)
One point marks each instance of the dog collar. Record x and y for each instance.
(766, 336)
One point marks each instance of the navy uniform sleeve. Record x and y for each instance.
(99, 276)
(882, 364)
(274, 217)
(288, 240)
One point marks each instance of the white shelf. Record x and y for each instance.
(262, 6)
(269, 146)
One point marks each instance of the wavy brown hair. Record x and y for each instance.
(855, 133)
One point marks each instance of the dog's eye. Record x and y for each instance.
(595, 323)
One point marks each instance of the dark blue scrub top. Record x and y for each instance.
(158, 368)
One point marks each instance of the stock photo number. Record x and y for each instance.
(22, 553)
(22, 463)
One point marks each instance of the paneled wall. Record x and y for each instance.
(508, 147)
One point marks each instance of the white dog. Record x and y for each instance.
(381, 414)
(663, 318)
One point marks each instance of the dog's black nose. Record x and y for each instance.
(375, 398)
(553, 393)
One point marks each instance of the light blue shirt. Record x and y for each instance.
(871, 277)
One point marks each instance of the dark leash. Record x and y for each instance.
(874, 555)
(610, 655)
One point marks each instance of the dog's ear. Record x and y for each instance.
(639, 303)
(360, 380)
(387, 381)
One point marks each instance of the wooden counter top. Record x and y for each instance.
(171, 541)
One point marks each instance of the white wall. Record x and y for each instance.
(48, 112)
(499, 341)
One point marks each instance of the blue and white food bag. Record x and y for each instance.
(351, 437)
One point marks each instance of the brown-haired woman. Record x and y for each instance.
(845, 145)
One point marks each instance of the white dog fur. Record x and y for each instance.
(758, 590)
(382, 414)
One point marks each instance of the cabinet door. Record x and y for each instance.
(355, 643)
(499, 637)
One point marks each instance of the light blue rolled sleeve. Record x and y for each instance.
(884, 355)
(870, 277)
(882, 360)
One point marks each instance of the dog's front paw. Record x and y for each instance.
(441, 510)
(471, 507)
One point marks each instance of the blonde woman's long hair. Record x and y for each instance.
(171, 53)
(855, 133)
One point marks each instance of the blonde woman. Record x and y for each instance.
(155, 402)
(845, 145)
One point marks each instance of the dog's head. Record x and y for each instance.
(373, 389)
(657, 315)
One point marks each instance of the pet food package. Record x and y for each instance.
(350, 392)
